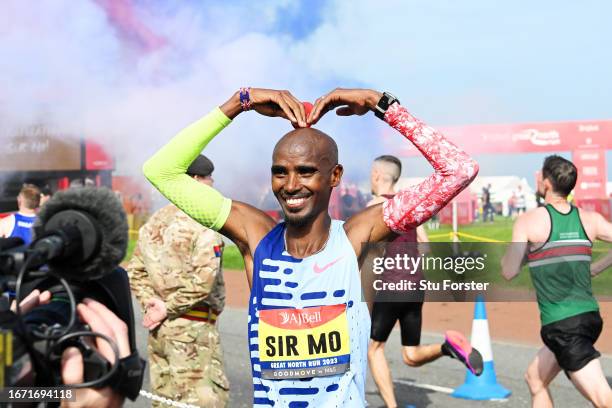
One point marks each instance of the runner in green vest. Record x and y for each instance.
(557, 241)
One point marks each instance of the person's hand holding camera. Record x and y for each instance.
(35, 298)
(101, 320)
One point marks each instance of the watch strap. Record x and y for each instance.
(383, 104)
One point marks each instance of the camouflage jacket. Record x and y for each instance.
(178, 261)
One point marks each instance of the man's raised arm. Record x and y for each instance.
(453, 168)
(166, 169)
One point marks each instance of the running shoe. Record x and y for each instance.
(457, 346)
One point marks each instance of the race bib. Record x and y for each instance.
(304, 343)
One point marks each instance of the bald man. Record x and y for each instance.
(308, 328)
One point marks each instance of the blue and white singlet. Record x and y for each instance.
(308, 328)
(23, 227)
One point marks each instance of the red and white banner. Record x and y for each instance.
(592, 177)
(524, 137)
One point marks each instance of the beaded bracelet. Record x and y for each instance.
(245, 99)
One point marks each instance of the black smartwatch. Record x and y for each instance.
(383, 104)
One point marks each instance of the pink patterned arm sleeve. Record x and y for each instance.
(454, 170)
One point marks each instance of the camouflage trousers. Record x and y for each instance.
(185, 362)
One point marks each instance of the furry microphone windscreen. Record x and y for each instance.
(105, 208)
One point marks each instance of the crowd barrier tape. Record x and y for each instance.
(445, 235)
(450, 235)
(478, 238)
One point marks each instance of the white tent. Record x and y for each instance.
(502, 188)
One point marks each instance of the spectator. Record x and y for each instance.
(487, 207)
(176, 276)
(20, 224)
(512, 204)
(521, 201)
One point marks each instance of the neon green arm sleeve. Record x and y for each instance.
(166, 171)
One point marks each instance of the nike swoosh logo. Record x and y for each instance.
(318, 269)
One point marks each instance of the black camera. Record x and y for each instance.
(81, 237)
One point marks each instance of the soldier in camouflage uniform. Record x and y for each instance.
(175, 273)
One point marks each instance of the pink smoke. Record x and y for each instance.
(130, 28)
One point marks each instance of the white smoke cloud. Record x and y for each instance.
(68, 65)
(68, 68)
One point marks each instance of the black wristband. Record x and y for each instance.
(383, 104)
(129, 378)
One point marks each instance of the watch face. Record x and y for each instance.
(383, 104)
(390, 99)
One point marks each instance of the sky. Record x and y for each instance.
(132, 73)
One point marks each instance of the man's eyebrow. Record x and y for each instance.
(307, 169)
(276, 168)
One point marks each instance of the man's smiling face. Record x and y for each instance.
(304, 171)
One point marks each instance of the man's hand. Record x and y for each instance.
(269, 102)
(350, 102)
(156, 313)
(101, 320)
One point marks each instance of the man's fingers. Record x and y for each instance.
(298, 108)
(72, 366)
(326, 103)
(286, 109)
(148, 320)
(317, 109)
(148, 323)
(154, 326)
(345, 111)
(118, 327)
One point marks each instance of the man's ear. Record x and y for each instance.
(547, 185)
(336, 175)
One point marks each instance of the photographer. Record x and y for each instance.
(101, 320)
(75, 327)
